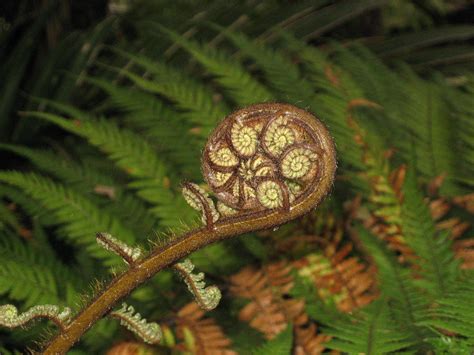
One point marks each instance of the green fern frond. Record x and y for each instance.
(454, 311)
(324, 311)
(32, 208)
(436, 259)
(219, 258)
(371, 331)
(30, 276)
(333, 91)
(79, 217)
(150, 107)
(194, 98)
(282, 75)
(72, 173)
(371, 76)
(281, 345)
(92, 183)
(428, 121)
(446, 345)
(313, 61)
(462, 110)
(134, 213)
(8, 218)
(408, 305)
(129, 151)
(168, 128)
(233, 77)
(65, 108)
(414, 114)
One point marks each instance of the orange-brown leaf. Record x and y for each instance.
(208, 336)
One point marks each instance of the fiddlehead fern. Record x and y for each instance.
(148, 332)
(266, 165)
(267, 157)
(10, 318)
(129, 254)
(206, 297)
(198, 199)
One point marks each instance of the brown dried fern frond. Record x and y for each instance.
(465, 201)
(309, 342)
(440, 208)
(271, 308)
(131, 348)
(464, 250)
(268, 311)
(345, 279)
(200, 335)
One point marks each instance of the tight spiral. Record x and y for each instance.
(268, 157)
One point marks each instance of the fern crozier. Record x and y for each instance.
(129, 254)
(207, 297)
(148, 332)
(10, 318)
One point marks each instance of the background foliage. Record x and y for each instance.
(105, 108)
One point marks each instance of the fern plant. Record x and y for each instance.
(374, 270)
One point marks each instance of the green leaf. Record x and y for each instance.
(338, 13)
(80, 218)
(281, 345)
(371, 331)
(411, 41)
(408, 304)
(230, 74)
(32, 276)
(189, 94)
(136, 156)
(283, 76)
(90, 182)
(454, 311)
(436, 259)
(156, 120)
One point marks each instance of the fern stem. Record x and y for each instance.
(234, 225)
(372, 328)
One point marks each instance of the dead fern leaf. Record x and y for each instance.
(201, 336)
(466, 202)
(271, 308)
(440, 208)
(268, 311)
(131, 348)
(309, 342)
(464, 250)
(345, 279)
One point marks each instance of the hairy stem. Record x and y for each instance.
(157, 261)
(275, 209)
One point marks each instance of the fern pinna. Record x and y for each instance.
(381, 267)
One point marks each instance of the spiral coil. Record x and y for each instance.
(267, 157)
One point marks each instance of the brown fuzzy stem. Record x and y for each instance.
(225, 228)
